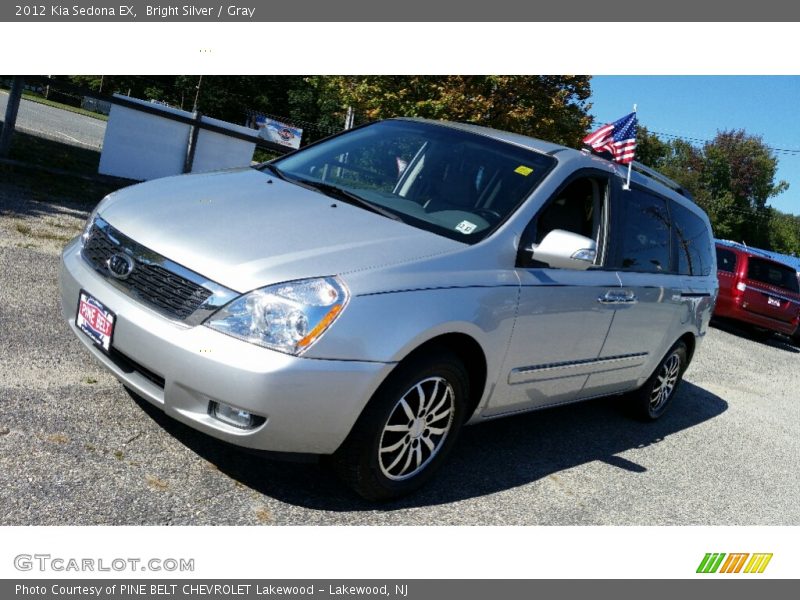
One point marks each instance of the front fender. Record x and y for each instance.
(386, 327)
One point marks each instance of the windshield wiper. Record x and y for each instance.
(275, 171)
(346, 196)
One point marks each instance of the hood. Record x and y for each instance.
(242, 232)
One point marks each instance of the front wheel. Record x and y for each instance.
(651, 400)
(407, 429)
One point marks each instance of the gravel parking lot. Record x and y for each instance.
(76, 448)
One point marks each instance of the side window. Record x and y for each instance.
(642, 239)
(692, 241)
(726, 260)
(579, 208)
(573, 210)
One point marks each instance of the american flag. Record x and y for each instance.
(618, 138)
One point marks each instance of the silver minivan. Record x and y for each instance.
(366, 296)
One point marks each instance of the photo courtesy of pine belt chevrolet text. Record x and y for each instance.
(365, 297)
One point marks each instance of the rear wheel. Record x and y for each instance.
(408, 428)
(651, 400)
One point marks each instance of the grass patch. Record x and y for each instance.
(156, 483)
(90, 380)
(46, 187)
(59, 225)
(263, 155)
(23, 228)
(50, 153)
(119, 454)
(263, 515)
(55, 237)
(39, 99)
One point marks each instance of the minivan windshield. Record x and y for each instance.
(454, 183)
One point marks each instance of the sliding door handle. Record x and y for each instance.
(618, 297)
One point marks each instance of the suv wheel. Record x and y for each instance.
(407, 429)
(651, 400)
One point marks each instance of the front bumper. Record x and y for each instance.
(310, 405)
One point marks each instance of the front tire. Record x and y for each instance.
(407, 430)
(651, 401)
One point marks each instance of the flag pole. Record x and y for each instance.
(630, 164)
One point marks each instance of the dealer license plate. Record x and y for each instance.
(95, 320)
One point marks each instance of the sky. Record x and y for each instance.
(699, 106)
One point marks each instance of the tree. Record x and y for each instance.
(554, 108)
(784, 231)
(650, 150)
(731, 177)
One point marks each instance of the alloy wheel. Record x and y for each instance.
(665, 382)
(416, 428)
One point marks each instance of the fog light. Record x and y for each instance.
(234, 416)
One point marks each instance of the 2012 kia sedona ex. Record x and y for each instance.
(365, 297)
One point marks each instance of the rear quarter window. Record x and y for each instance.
(692, 241)
(773, 274)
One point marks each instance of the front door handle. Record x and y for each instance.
(618, 297)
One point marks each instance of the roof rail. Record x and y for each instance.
(751, 249)
(651, 173)
(662, 179)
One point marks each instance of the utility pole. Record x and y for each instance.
(10, 120)
(197, 95)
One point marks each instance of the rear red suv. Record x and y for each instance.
(757, 290)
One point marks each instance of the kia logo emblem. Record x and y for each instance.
(120, 265)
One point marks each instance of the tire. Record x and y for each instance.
(407, 429)
(652, 400)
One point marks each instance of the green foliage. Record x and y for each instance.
(650, 150)
(731, 177)
(549, 107)
(784, 231)
(553, 108)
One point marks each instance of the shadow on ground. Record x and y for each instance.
(774, 340)
(39, 153)
(493, 457)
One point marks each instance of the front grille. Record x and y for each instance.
(151, 283)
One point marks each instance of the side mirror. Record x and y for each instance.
(565, 250)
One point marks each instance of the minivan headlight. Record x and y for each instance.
(288, 317)
(87, 228)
